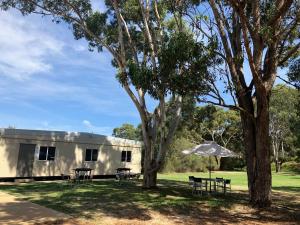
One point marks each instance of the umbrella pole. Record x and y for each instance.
(209, 167)
(209, 174)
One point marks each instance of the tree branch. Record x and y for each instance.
(253, 66)
(148, 33)
(233, 107)
(282, 7)
(289, 54)
(288, 82)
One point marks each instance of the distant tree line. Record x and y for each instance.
(214, 123)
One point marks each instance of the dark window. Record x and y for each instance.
(91, 154)
(88, 154)
(51, 153)
(126, 156)
(95, 155)
(47, 153)
(43, 153)
(123, 156)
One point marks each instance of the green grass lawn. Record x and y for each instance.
(237, 178)
(287, 182)
(172, 197)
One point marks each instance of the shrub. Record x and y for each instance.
(291, 167)
(273, 167)
(232, 164)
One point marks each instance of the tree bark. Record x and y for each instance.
(150, 179)
(264, 57)
(277, 166)
(150, 175)
(157, 136)
(257, 147)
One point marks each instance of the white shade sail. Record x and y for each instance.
(210, 148)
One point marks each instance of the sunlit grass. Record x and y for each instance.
(109, 197)
(239, 179)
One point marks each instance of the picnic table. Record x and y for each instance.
(126, 174)
(83, 173)
(208, 183)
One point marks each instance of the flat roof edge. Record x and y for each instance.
(64, 135)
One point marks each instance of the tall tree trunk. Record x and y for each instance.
(257, 146)
(157, 137)
(262, 194)
(276, 165)
(277, 158)
(275, 152)
(150, 175)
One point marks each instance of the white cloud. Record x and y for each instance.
(33, 45)
(96, 129)
(49, 90)
(24, 47)
(87, 123)
(45, 124)
(80, 48)
(51, 81)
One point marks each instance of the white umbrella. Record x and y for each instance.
(210, 148)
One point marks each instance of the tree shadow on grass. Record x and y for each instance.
(287, 189)
(84, 201)
(172, 199)
(222, 208)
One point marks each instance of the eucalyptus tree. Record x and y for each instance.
(283, 116)
(258, 36)
(127, 131)
(154, 52)
(294, 73)
(223, 126)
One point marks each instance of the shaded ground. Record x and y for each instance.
(14, 212)
(107, 202)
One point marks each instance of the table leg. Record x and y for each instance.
(77, 177)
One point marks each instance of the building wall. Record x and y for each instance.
(9, 152)
(69, 154)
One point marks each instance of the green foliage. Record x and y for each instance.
(183, 67)
(128, 131)
(214, 123)
(298, 155)
(291, 167)
(224, 126)
(231, 164)
(294, 73)
(285, 120)
(177, 162)
(199, 124)
(182, 53)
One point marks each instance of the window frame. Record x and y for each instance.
(126, 158)
(92, 150)
(47, 153)
(123, 156)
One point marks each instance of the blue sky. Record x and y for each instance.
(50, 81)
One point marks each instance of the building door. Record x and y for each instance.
(25, 160)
